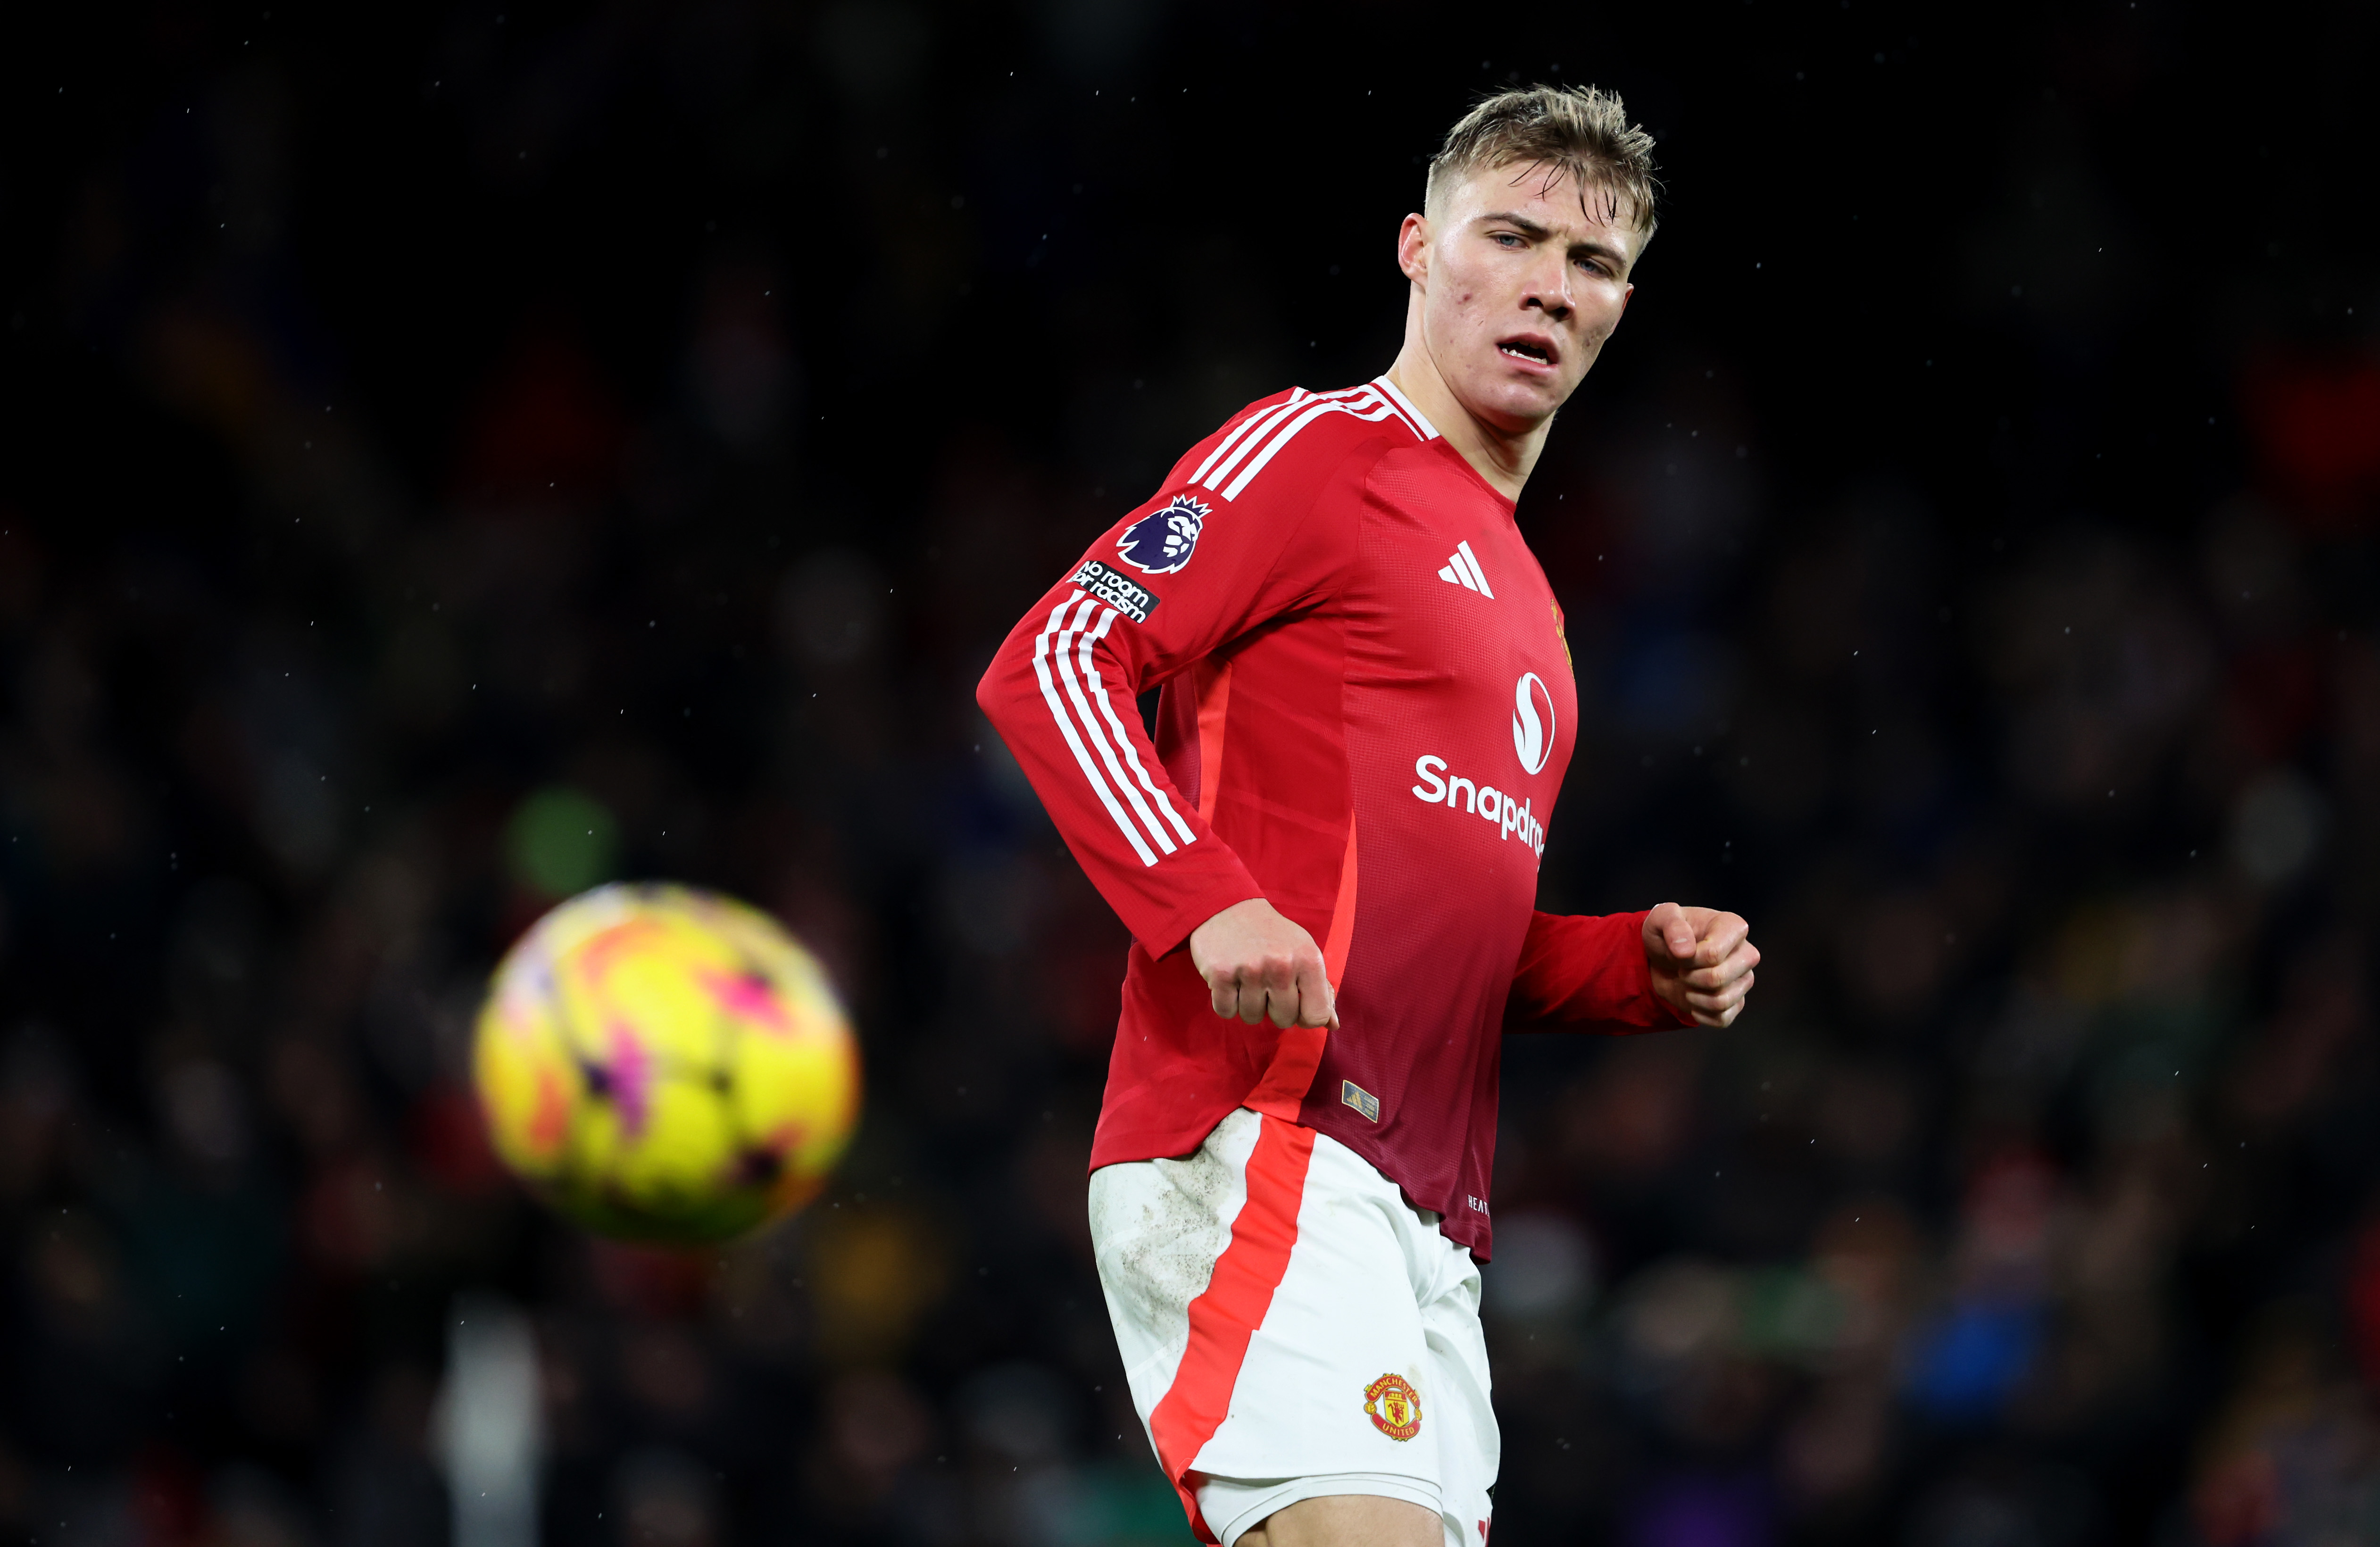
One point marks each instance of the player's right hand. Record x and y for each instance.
(1261, 966)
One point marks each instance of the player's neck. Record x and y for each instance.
(1503, 457)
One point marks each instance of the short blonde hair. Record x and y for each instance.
(1582, 130)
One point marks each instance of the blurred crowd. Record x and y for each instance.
(2031, 1204)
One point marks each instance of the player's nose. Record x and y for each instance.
(1553, 303)
(1549, 291)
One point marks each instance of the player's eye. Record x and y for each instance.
(1506, 239)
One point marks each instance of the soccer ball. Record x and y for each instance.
(666, 1064)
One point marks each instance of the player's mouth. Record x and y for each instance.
(1532, 349)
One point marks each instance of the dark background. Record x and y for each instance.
(453, 453)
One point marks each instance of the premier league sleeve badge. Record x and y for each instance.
(1162, 541)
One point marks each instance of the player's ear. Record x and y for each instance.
(1412, 248)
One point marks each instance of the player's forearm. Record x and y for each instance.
(1584, 973)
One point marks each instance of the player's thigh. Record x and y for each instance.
(1336, 1379)
(1348, 1521)
(1156, 1229)
(1469, 1446)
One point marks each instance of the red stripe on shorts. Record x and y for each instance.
(1298, 1052)
(1233, 1307)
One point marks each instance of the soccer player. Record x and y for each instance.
(1327, 860)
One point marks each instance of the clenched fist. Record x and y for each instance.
(1259, 966)
(1702, 961)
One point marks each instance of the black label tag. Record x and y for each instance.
(1134, 602)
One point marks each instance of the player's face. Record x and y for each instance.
(1523, 281)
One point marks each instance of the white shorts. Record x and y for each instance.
(1291, 1328)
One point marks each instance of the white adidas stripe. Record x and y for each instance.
(1422, 427)
(1081, 639)
(1131, 753)
(1299, 408)
(1376, 408)
(1254, 421)
(1259, 437)
(1041, 654)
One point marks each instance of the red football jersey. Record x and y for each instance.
(1367, 712)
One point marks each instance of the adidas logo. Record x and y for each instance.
(1462, 568)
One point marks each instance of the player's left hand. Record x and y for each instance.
(1701, 960)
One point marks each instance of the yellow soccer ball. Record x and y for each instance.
(663, 1064)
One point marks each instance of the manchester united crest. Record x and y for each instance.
(1393, 1407)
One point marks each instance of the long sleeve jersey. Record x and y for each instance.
(1366, 711)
